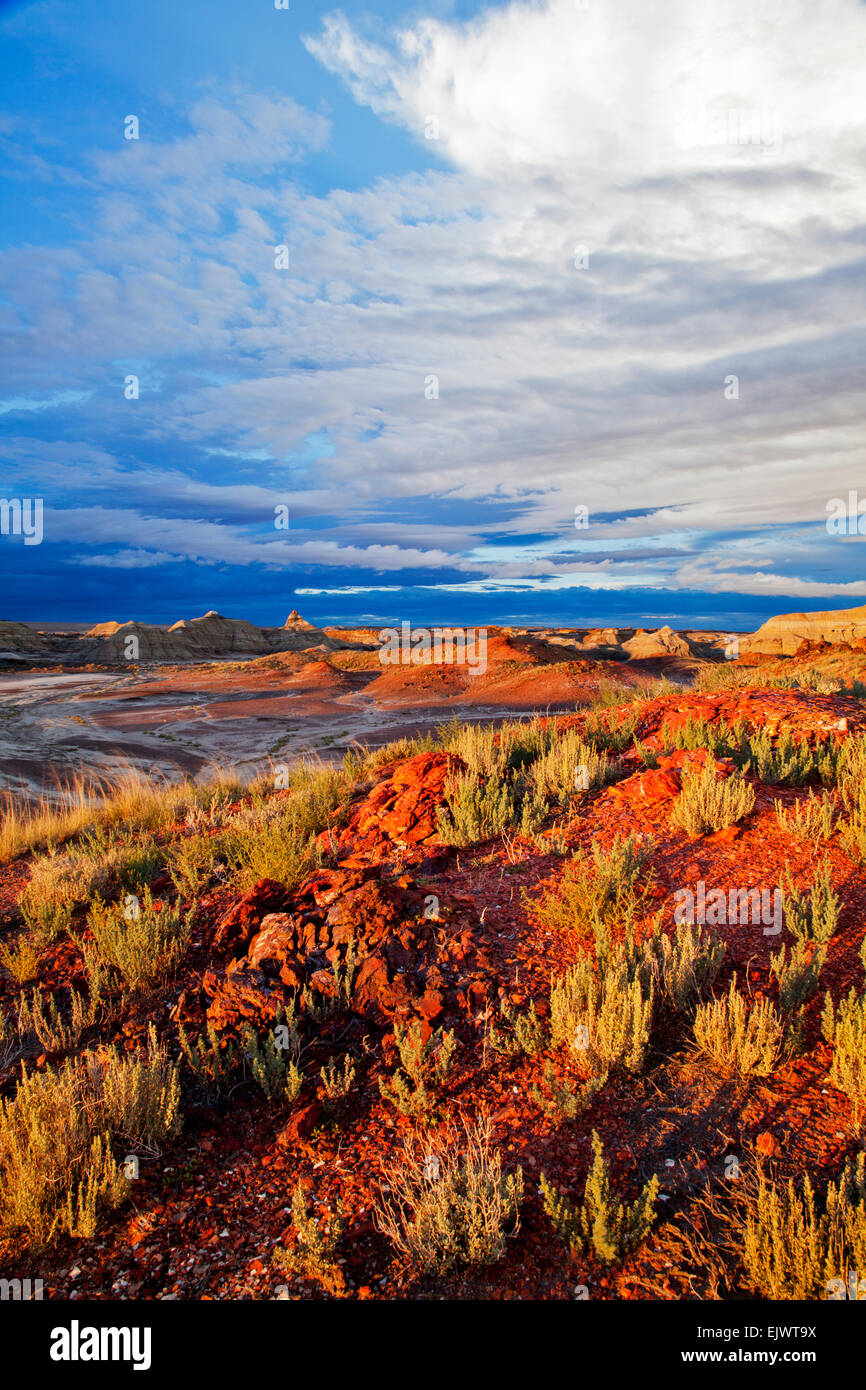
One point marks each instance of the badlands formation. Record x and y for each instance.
(179, 699)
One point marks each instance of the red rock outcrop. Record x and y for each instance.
(243, 917)
(401, 810)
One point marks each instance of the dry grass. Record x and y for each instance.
(131, 799)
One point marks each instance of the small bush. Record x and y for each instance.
(812, 917)
(336, 1083)
(424, 1063)
(611, 1228)
(845, 1027)
(853, 827)
(54, 1031)
(598, 893)
(59, 881)
(452, 1204)
(603, 1019)
(685, 963)
(735, 1038)
(194, 863)
(791, 761)
(274, 838)
(271, 848)
(56, 1163)
(797, 975)
(699, 733)
(482, 750)
(9, 1041)
(213, 1060)
(476, 810)
(274, 1068)
(314, 1254)
(707, 803)
(790, 1250)
(524, 1033)
(20, 960)
(609, 731)
(142, 940)
(562, 1101)
(48, 900)
(569, 766)
(811, 819)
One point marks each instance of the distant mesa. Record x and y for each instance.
(210, 637)
(790, 633)
(214, 637)
(662, 641)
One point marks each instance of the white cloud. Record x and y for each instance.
(558, 386)
(619, 87)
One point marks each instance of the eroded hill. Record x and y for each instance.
(528, 961)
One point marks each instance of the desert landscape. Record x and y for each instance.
(432, 683)
(222, 692)
(397, 982)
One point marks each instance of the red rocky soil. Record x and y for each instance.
(443, 936)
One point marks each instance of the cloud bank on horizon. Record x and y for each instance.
(536, 305)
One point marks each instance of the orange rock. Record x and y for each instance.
(767, 1144)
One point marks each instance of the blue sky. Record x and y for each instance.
(585, 260)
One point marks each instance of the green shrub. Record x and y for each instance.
(424, 1062)
(853, 826)
(194, 863)
(20, 960)
(524, 1032)
(812, 917)
(792, 1251)
(337, 1083)
(717, 738)
(314, 1254)
(275, 837)
(708, 803)
(812, 819)
(476, 810)
(212, 1059)
(610, 1227)
(59, 881)
(845, 1027)
(142, 940)
(735, 1038)
(798, 975)
(55, 1031)
(609, 731)
(482, 751)
(790, 760)
(275, 1068)
(561, 1100)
